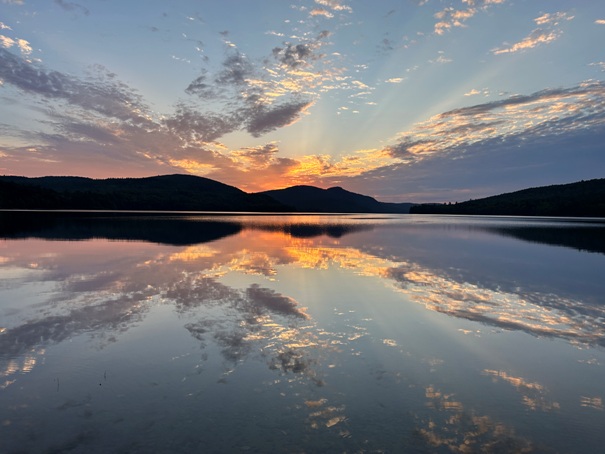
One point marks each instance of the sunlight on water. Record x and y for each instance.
(214, 333)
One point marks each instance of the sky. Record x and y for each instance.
(405, 101)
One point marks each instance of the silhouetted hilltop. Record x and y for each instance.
(581, 199)
(333, 200)
(163, 193)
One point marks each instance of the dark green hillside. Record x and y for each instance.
(164, 193)
(582, 199)
(333, 200)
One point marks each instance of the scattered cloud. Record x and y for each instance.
(395, 80)
(264, 119)
(101, 94)
(539, 36)
(548, 112)
(335, 5)
(599, 64)
(553, 19)
(294, 56)
(321, 12)
(600, 21)
(441, 59)
(475, 92)
(451, 17)
(23, 45)
(535, 38)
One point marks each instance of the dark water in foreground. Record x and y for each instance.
(210, 333)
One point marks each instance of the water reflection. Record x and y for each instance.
(347, 316)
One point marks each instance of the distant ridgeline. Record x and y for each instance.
(333, 200)
(177, 193)
(583, 199)
(161, 193)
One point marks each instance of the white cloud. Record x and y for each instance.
(335, 5)
(21, 44)
(549, 32)
(534, 39)
(552, 19)
(321, 12)
(600, 21)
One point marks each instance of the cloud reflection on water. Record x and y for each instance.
(109, 299)
(231, 298)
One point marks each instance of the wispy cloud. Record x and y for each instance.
(335, 5)
(451, 17)
(101, 94)
(539, 36)
(600, 21)
(321, 12)
(552, 111)
(475, 92)
(503, 143)
(73, 7)
(535, 38)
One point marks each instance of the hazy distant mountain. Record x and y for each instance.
(163, 193)
(333, 200)
(584, 198)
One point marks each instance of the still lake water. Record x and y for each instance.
(242, 333)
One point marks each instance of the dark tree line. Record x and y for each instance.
(581, 199)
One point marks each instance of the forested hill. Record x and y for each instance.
(582, 199)
(162, 193)
(177, 193)
(333, 200)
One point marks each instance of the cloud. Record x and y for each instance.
(192, 126)
(294, 56)
(302, 55)
(101, 94)
(535, 38)
(23, 45)
(256, 157)
(275, 302)
(538, 36)
(547, 137)
(264, 119)
(321, 12)
(600, 21)
(335, 5)
(450, 17)
(72, 7)
(554, 110)
(100, 119)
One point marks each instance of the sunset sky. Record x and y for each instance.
(406, 101)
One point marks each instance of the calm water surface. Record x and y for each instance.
(212, 333)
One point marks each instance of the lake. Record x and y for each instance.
(214, 333)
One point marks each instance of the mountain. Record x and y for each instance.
(581, 199)
(162, 193)
(333, 200)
